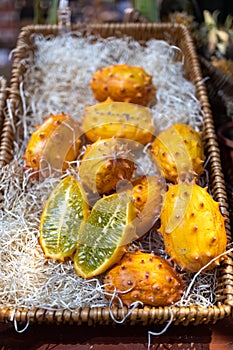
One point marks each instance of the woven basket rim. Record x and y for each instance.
(3, 98)
(3, 91)
(192, 314)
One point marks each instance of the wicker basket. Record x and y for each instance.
(6, 152)
(194, 314)
(3, 96)
(220, 92)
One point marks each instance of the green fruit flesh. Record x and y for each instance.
(104, 234)
(62, 218)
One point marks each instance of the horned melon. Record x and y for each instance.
(146, 278)
(119, 119)
(192, 227)
(123, 82)
(179, 153)
(104, 164)
(54, 143)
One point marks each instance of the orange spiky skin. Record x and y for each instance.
(148, 194)
(120, 119)
(192, 227)
(122, 82)
(179, 153)
(54, 143)
(104, 164)
(145, 277)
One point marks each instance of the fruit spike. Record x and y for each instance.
(120, 119)
(179, 153)
(53, 144)
(125, 83)
(192, 227)
(144, 277)
(104, 164)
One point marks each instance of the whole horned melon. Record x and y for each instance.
(120, 119)
(122, 82)
(148, 192)
(179, 153)
(54, 143)
(104, 164)
(192, 227)
(144, 277)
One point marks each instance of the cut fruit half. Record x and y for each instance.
(105, 236)
(64, 213)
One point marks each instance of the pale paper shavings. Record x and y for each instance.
(26, 277)
(57, 79)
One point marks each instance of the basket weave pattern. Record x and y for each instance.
(3, 97)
